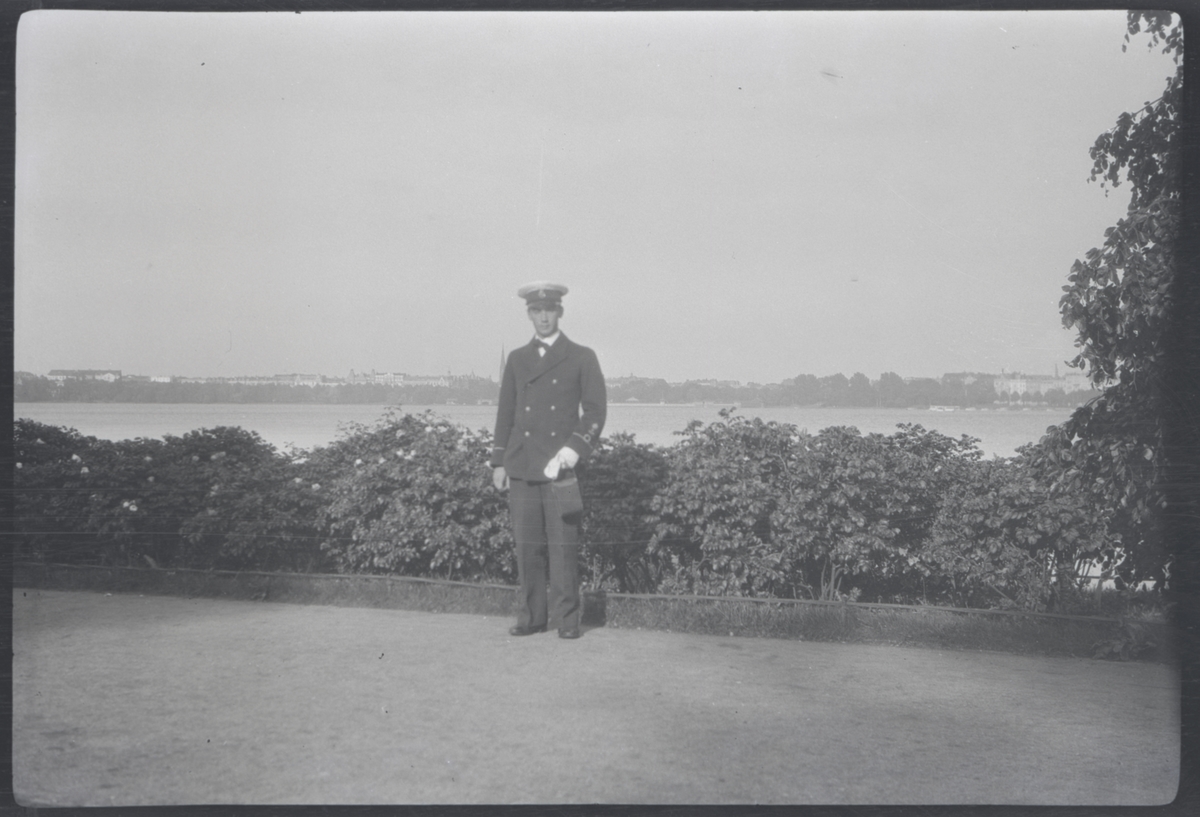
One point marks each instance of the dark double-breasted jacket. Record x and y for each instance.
(547, 403)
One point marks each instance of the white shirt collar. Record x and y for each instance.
(549, 339)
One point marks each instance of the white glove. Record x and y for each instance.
(565, 458)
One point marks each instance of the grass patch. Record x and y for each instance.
(931, 627)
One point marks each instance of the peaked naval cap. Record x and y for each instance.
(542, 293)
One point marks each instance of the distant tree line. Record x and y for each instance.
(889, 391)
(34, 389)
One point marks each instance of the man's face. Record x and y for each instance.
(545, 319)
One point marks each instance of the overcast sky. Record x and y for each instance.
(744, 196)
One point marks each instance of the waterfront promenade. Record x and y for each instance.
(147, 700)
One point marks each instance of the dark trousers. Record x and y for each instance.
(544, 540)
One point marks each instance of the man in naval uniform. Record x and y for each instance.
(552, 408)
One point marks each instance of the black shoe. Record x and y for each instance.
(521, 629)
(568, 632)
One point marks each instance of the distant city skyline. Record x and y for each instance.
(1061, 372)
(728, 195)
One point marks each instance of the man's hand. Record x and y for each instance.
(565, 458)
(500, 478)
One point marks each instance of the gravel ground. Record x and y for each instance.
(132, 700)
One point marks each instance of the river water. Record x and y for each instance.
(306, 426)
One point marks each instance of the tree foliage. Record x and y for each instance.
(1118, 299)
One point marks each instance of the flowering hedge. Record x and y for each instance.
(757, 508)
(738, 507)
(409, 496)
(213, 498)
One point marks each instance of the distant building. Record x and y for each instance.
(294, 379)
(966, 378)
(467, 381)
(248, 380)
(458, 381)
(107, 375)
(374, 377)
(1017, 383)
(631, 380)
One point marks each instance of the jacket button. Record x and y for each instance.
(554, 380)
(552, 408)
(553, 434)
(527, 408)
(526, 433)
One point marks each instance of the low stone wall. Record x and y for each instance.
(344, 590)
(942, 628)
